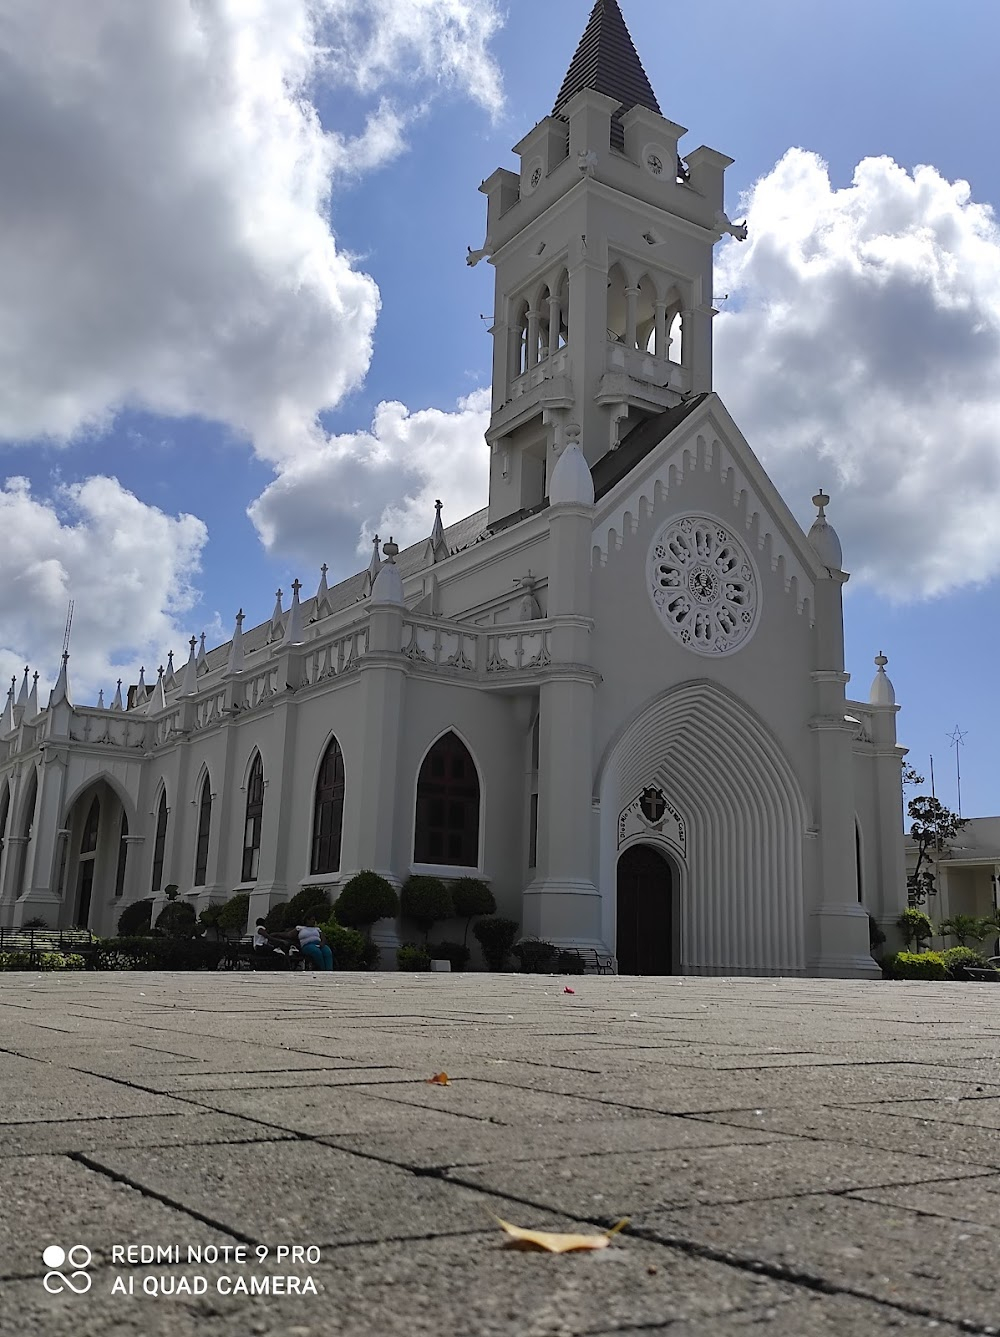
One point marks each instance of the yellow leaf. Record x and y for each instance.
(439, 1079)
(551, 1242)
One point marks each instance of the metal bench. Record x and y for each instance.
(594, 962)
(37, 941)
(240, 955)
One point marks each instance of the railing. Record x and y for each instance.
(642, 366)
(337, 657)
(856, 710)
(443, 645)
(210, 709)
(111, 728)
(545, 369)
(166, 726)
(517, 649)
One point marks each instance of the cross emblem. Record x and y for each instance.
(653, 805)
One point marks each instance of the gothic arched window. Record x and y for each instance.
(447, 824)
(122, 856)
(88, 841)
(328, 814)
(159, 843)
(4, 813)
(255, 816)
(204, 830)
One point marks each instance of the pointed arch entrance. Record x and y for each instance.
(646, 931)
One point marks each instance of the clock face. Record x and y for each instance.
(536, 176)
(703, 584)
(533, 174)
(655, 163)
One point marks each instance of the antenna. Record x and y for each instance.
(69, 625)
(958, 740)
(933, 795)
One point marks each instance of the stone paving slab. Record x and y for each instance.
(801, 1158)
(892, 1254)
(880, 1126)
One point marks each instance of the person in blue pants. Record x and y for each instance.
(311, 943)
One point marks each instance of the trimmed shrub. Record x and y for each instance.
(209, 919)
(177, 919)
(455, 952)
(37, 922)
(351, 949)
(471, 896)
(136, 919)
(534, 957)
(412, 957)
(43, 961)
(957, 958)
(308, 901)
(570, 963)
(425, 900)
(916, 966)
(915, 927)
(158, 954)
(234, 913)
(367, 897)
(496, 938)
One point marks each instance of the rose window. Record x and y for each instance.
(704, 585)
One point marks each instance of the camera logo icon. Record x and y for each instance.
(78, 1257)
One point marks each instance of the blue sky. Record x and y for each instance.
(164, 189)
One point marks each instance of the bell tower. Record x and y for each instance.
(602, 246)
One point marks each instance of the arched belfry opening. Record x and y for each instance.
(646, 909)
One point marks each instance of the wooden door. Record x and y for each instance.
(645, 928)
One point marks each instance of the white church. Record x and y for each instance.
(617, 694)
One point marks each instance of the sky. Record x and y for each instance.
(238, 334)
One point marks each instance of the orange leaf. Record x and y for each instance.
(439, 1079)
(548, 1241)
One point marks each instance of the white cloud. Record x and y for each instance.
(325, 505)
(164, 240)
(863, 353)
(128, 566)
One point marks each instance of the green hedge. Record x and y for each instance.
(158, 954)
(43, 961)
(411, 957)
(916, 966)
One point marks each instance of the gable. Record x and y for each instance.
(704, 439)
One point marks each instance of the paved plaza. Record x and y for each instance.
(795, 1157)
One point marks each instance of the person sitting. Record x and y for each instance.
(264, 946)
(312, 944)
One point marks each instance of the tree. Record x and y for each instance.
(932, 826)
(471, 896)
(233, 915)
(915, 927)
(964, 927)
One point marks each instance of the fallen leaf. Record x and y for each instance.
(568, 990)
(548, 1241)
(439, 1079)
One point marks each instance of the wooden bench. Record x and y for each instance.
(37, 941)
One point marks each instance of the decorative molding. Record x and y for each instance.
(704, 585)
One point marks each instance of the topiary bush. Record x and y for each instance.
(351, 949)
(915, 927)
(916, 966)
(366, 898)
(177, 919)
(496, 937)
(534, 957)
(471, 896)
(209, 919)
(455, 952)
(136, 919)
(425, 900)
(233, 915)
(412, 957)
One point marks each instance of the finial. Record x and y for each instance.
(882, 691)
(391, 550)
(100, 699)
(296, 586)
(881, 661)
(239, 619)
(821, 501)
(439, 548)
(193, 642)
(116, 704)
(324, 568)
(294, 634)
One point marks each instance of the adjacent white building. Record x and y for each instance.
(617, 693)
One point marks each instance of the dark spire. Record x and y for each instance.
(607, 61)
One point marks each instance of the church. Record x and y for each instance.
(616, 694)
